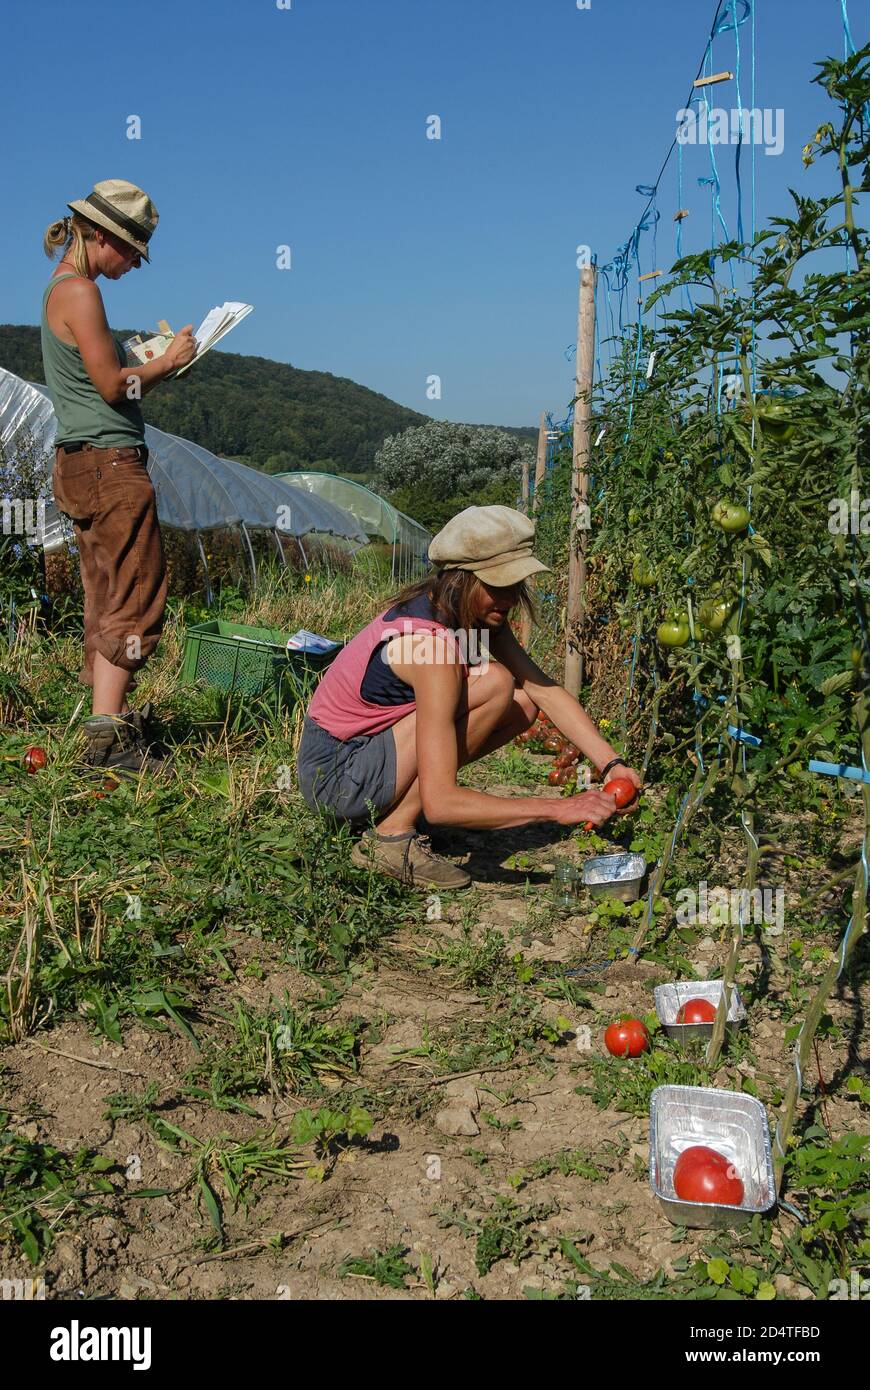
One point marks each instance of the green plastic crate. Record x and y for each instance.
(248, 660)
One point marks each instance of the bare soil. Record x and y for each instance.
(395, 1187)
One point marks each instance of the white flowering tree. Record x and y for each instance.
(432, 471)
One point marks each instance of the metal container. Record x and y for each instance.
(670, 998)
(729, 1121)
(614, 876)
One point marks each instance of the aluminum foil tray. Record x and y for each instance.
(670, 998)
(614, 876)
(733, 1123)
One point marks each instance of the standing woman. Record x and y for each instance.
(100, 475)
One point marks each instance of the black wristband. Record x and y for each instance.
(614, 762)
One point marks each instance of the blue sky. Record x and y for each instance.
(306, 127)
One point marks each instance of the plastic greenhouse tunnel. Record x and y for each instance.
(408, 540)
(196, 490)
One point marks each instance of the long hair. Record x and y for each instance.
(454, 593)
(75, 231)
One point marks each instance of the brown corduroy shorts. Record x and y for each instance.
(110, 499)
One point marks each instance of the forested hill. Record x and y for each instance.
(269, 414)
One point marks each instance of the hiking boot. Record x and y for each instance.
(141, 718)
(408, 858)
(118, 744)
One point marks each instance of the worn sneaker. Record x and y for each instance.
(408, 858)
(119, 745)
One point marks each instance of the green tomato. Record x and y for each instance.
(641, 573)
(729, 517)
(714, 613)
(674, 632)
(775, 419)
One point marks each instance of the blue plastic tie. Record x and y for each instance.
(852, 774)
(743, 737)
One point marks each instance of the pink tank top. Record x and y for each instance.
(338, 706)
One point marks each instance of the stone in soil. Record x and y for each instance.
(456, 1120)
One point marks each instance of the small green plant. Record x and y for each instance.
(324, 1128)
(42, 1188)
(288, 1048)
(832, 1177)
(388, 1268)
(220, 1163)
(505, 1231)
(627, 1084)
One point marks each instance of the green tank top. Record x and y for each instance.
(80, 409)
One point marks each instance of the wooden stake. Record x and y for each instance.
(541, 461)
(524, 635)
(650, 275)
(683, 212)
(579, 532)
(717, 77)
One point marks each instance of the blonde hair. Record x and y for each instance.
(75, 231)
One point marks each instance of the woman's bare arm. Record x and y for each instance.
(85, 317)
(437, 689)
(568, 715)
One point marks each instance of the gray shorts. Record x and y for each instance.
(353, 779)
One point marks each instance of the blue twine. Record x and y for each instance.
(849, 50)
(728, 20)
(740, 236)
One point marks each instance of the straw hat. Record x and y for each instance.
(122, 208)
(495, 543)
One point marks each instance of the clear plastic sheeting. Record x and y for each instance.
(196, 490)
(408, 540)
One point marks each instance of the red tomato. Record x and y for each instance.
(554, 743)
(623, 789)
(627, 1038)
(697, 1011)
(704, 1175)
(558, 777)
(569, 755)
(34, 759)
